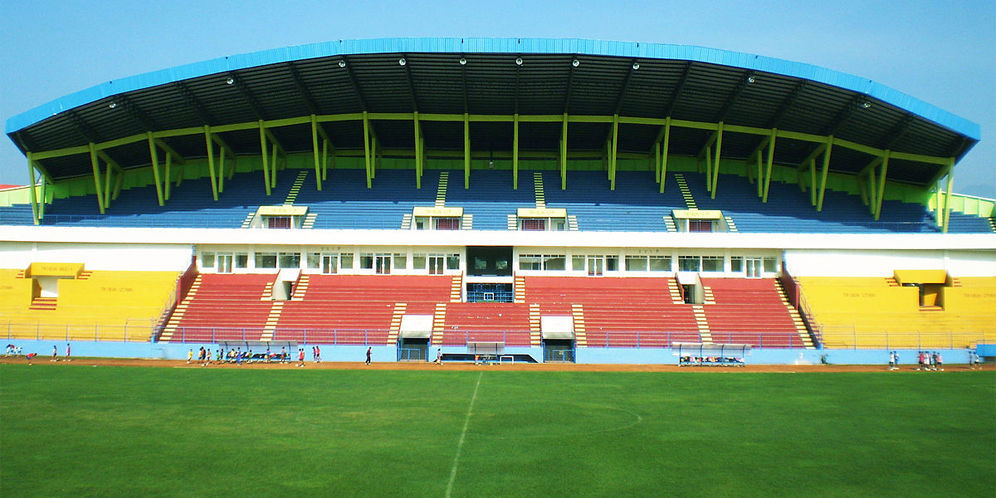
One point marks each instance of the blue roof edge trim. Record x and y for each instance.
(519, 46)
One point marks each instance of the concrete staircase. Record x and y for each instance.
(535, 325)
(271, 321)
(800, 324)
(700, 320)
(399, 313)
(174, 321)
(580, 336)
(438, 322)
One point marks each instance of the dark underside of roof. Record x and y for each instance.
(493, 84)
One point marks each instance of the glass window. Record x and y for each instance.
(366, 261)
(453, 262)
(314, 260)
(501, 264)
(554, 262)
(400, 261)
(636, 263)
(420, 224)
(577, 262)
(266, 260)
(418, 261)
(530, 262)
(612, 263)
(290, 260)
(279, 222)
(660, 263)
(241, 260)
(534, 224)
(770, 265)
(480, 263)
(346, 260)
(712, 263)
(447, 223)
(737, 264)
(699, 225)
(689, 263)
(207, 260)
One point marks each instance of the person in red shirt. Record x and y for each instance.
(300, 356)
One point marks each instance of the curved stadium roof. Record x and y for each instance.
(448, 80)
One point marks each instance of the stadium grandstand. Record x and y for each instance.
(535, 199)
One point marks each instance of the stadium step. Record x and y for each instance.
(675, 291)
(520, 289)
(84, 275)
(731, 226)
(267, 292)
(669, 223)
(246, 223)
(399, 313)
(538, 189)
(301, 288)
(513, 222)
(572, 223)
(456, 289)
(43, 304)
(406, 221)
(705, 335)
(467, 222)
(20, 274)
(309, 221)
(438, 322)
(685, 192)
(296, 188)
(444, 179)
(892, 282)
(535, 325)
(708, 298)
(992, 223)
(580, 336)
(174, 320)
(271, 321)
(800, 324)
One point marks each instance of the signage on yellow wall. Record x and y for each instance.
(55, 269)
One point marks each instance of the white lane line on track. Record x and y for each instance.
(463, 436)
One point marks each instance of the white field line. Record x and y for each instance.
(463, 436)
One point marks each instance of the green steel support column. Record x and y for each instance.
(667, 140)
(708, 161)
(760, 175)
(43, 198)
(274, 163)
(210, 158)
(166, 177)
(375, 151)
(881, 185)
(221, 170)
(657, 161)
(32, 194)
(325, 159)
(825, 172)
(107, 183)
(771, 160)
(265, 155)
(615, 150)
(812, 181)
(872, 185)
(563, 155)
(515, 151)
(314, 148)
(466, 150)
(155, 168)
(418, 151)
(947, 197)
(95, 163)
(719, 151)
(366, 147)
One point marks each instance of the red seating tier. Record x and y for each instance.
(489, 322)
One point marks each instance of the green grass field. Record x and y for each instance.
(123, 431)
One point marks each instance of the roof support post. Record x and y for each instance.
(33, 195)
(418, 150)
(314, 149)
(563, 155)
(824, 173)
(166, 177)
(210, 157)
(265, 156)
(771, 160)
(154, 154)
(515, 151)
(615, 150)
(273, 166)
(221, 169)
(325, 159)
(872, 185)
(812, 182)
(719, 150)
(946, 214)
(376, 150)
(667, 140)
(107, 182)
(366, 147)
(466, 150)
(708, 161)
(881, 185)
(43, 195)
(760, 174)
(95, 163)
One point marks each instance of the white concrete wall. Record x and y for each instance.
(121, 257)
(882, 263)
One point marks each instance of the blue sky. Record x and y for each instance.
(940, 52)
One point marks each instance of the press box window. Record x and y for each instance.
(266, 260)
